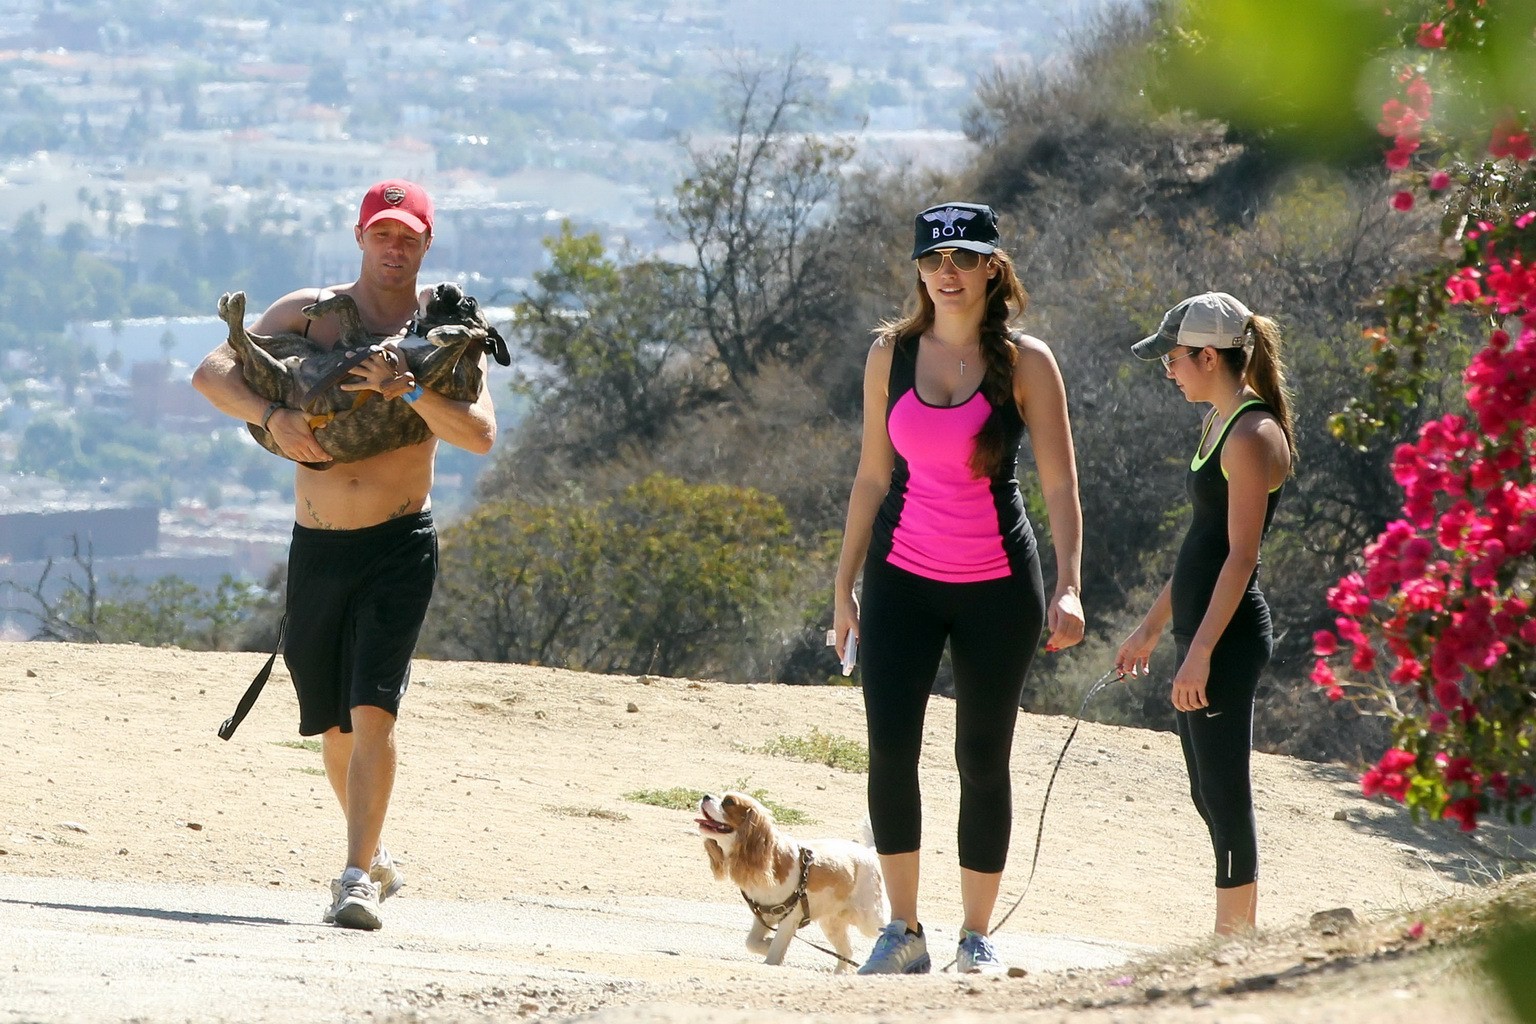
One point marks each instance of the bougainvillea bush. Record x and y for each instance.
(1438, 626)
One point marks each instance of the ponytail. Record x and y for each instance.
(1266, 376)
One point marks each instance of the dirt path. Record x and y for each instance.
(154, 873)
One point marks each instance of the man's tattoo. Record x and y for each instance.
(397, 513)
(321, 523)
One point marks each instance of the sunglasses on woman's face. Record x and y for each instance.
(962, 260)
(1169, 360)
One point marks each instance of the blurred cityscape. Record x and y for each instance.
(155, 154)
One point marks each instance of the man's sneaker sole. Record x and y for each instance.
(359, 915)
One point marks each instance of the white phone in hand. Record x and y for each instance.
(850, 653)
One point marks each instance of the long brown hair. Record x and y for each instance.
(1263, 370)
(1006, 299)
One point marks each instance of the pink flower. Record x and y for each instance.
(1462, 286)
(1395, 785)
(1463, 811)
(1459, 769)
(1324, 643)
(1420, 96)
(1408, 671)
(1510, 139)
(1438, 723)
(1401, 154)
(1322, 674)
(1448, 694)
(1348, 596)
(1438, 181)
(1399, 120)
(1402, 201)
(1396, 760)
(1415, 931)
(1431, 36)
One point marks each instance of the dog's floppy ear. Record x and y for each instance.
(754, 844)
(716, 858)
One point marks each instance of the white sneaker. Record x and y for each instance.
(385, 874)
(354, 902)
(977, 955)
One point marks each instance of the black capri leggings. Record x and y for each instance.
(1218, 741)
(993, 628)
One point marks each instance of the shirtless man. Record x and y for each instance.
(364, 554)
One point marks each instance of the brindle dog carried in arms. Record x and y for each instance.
(356, 425)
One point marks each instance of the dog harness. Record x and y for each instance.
(779, 911)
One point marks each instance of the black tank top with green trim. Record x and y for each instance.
(1206, 545)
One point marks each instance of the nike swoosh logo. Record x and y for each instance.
(1212, 714)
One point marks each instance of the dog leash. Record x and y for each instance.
(1103, 680)
(248, 699)
(1113, 675)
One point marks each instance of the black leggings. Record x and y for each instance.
(1217, 742)
(993, 628)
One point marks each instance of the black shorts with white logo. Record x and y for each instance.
(356, 603)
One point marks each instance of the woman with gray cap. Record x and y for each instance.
(937, 524)
(1219, 353)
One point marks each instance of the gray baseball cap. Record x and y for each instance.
(1213, 319)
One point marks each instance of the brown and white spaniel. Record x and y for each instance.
(834, 882)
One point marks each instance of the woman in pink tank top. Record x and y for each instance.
(937, 525)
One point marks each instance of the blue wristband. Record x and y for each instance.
(413, 394)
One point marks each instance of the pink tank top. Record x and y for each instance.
(948, 528)
(938, 519)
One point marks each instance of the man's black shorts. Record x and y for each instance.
(356, 602)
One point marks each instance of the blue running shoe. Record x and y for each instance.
(898, 951)
(977, 955)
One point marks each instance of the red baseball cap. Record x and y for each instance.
(397, 199)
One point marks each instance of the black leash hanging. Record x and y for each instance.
(248, 700)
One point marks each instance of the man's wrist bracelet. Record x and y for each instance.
(413, 394)
(266, 417)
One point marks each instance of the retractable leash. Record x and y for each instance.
(1113, 675)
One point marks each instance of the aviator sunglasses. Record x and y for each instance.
(1168, 361)
(962, 260)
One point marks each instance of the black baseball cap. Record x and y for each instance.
(970, 226)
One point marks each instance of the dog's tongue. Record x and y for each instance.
(712, 825)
